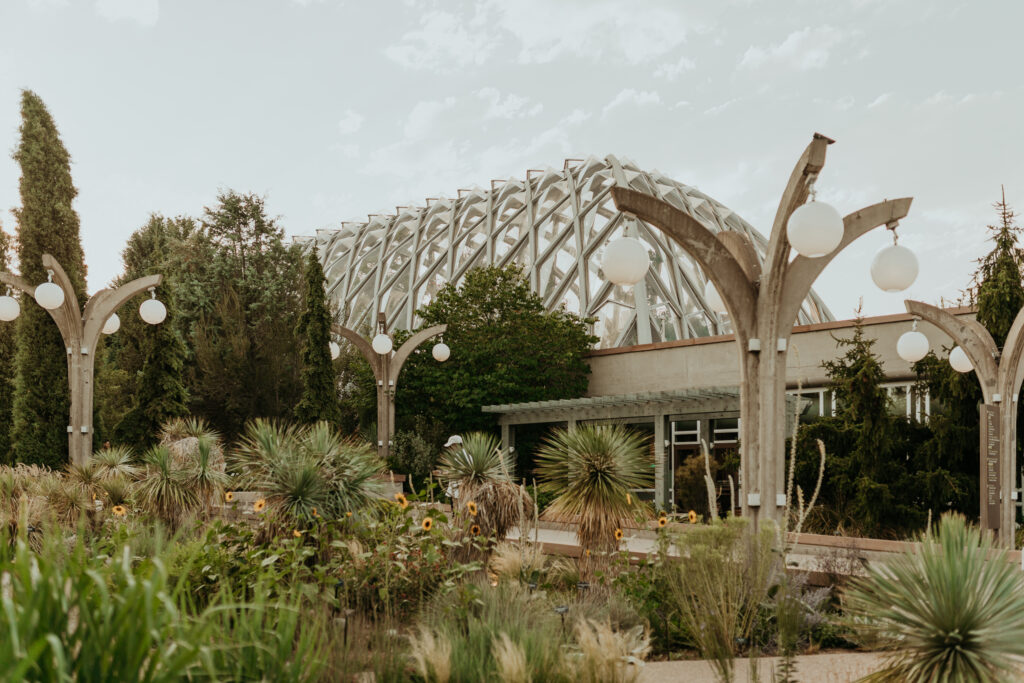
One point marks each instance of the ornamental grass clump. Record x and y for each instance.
(591, 471)
(950, 610)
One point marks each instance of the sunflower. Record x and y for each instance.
(692, 517)
(471, 506)
(427, 523)
(618, 534)
(258, 506)
(296, 533)
(119, 510)
(475, 529)
(348, 514)
(662, 521)
(229, 496)
(402, 500)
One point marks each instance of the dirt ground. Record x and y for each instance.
(840, 667)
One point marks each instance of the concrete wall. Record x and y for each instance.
(714, 361)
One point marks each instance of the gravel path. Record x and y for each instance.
(839, 667)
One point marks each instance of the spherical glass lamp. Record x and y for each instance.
(335, 350)
(625, 261)
(153, 311)
(9, 308)
(959, 360)
(112, 325)
(894, 268)
(441, 352)
(49, 295)
(912, 346)
(815, 229)
(714, 299)
(382, 344)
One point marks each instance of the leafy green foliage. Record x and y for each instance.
(319, 400)
(505, 348)
(951, 611)
(592, 470)
(7, 348)
(47, 223)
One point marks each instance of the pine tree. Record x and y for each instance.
(159, 391)
(998, 288)
(47, 223)
(319, 395)
(6, 367)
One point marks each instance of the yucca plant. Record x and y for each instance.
(114, 462)
(951, 610)
(115, 491)
(162, 489)
(305, 472)
(591, 470)
(203, 472)
(481, 472)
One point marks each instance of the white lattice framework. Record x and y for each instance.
(554, 224)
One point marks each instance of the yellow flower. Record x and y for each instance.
(587, 552)
(692, 517)
(662, 521)
(314, 513)
(427, 523)
(402, 500)
(258, 506)
(348, 514)
(296, 533)
(119, 510)
(618, 534)
(475, 529)
(471, 506)
(229, 496)
(629, 499)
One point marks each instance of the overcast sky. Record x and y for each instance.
(335, 109)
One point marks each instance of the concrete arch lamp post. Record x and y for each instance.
(386, 363)
(81, 332)
(1000, 375)
(763, 302)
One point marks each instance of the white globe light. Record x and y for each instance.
(335, 350)
(815, 229)
(912, 346)
(959, 360)
(9, 308)
(112, 325)
(714, 299)
(49, 296)
(152, 311)
(625, 261)
(441, 352)
(382, 344)
(894, 268)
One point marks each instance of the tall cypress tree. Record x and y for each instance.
(47, 223)
(159, 391)
(998, 288)
(319, 395)
(6, 367)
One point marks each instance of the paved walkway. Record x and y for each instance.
(839, 667)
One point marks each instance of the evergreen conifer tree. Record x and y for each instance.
(159, 390)
(998, 288)
(319, 394)
(47, 223)
(6, 367)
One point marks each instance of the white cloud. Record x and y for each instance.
(808, 48)
(671, 71)
(424, 115)
(350, 122)
(629, 96)
(718, 108)
(443, 42)
(511, 107)
(880, 100)
(142, 12)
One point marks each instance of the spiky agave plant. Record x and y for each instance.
(591, 470)
(203, 472)
(953, 610)
(482, 471)
(114, 462)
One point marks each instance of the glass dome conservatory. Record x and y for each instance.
(555, 225)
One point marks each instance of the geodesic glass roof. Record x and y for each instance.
(555, 225)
